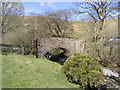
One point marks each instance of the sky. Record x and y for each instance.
(41, 7)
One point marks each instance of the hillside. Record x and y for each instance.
(20, 71)
(80, 31)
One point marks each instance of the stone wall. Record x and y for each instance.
(72, 45)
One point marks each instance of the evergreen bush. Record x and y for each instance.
(82, 70)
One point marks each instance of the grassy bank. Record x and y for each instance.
(20, 71)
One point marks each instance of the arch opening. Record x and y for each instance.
(58, 55)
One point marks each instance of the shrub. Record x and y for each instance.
(106, 53)
(82, 70)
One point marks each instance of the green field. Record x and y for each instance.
(19, 71)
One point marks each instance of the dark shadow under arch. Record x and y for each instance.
(57, 57)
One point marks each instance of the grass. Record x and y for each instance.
(19, 71)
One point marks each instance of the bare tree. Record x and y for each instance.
(36, 26)
(97, 12)
(49, 24)
(58, 23)
(11, 13)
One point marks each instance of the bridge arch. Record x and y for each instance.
(57, 54)
(46, 44)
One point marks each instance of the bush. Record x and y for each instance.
(82, 70)
(106, 53)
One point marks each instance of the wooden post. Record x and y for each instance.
(23, 49)
(36, 48)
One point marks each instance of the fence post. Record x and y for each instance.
(23, 49)
(36, 48)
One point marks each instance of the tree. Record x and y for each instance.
(98, 12)
(49, 24)
(58, 23)
(11, 13)
(82, 70)
(35, 26)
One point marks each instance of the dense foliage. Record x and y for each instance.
(82, 70)
(106, 53)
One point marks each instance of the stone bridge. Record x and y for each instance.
(47, 44)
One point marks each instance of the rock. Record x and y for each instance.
(110, 72)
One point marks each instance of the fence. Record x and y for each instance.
(19, 49)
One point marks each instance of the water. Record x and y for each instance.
(108, 72)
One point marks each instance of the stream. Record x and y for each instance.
(112, 77)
